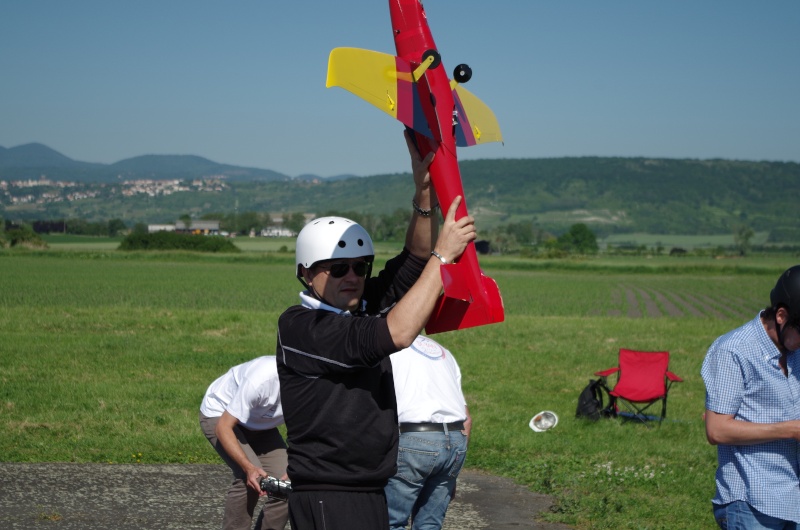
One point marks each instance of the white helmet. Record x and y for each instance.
(331, 238)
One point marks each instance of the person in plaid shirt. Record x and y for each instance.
(752, 379)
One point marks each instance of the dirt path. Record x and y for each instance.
(160, 497)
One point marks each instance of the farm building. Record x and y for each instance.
(277, 231)
(208, 228)
(160, 228)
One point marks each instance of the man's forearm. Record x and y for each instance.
(423, 230)
(725, 429)
(227, 438)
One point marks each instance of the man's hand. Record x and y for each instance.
(254, 476)
(227, 438)
(455, 234)
(467, 423)
(419, 165)
(410, 314)
(422, 230)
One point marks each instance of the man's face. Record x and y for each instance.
(339, 282)
(791, 330)
(791, 337)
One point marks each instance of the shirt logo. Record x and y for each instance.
(428, 348)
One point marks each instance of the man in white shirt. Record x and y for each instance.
(240, 414)
(434, 428)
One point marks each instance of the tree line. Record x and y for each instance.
(520, 237)
(524, 238)
(111, 228)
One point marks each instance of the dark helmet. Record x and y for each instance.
(787, 293)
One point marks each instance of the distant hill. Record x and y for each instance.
(37, 156)
(611, 195)
(640, 194)
(34, 160)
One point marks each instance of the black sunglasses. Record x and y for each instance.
(339, 270)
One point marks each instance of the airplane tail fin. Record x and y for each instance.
(466, 302)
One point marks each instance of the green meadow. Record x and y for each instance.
(104, 357)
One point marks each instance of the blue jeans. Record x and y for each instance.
(739, 515)
(428, 464)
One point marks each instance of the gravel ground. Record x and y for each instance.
(128, 497)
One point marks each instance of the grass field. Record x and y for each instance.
(104, 357)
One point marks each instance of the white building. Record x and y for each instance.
(277, 231)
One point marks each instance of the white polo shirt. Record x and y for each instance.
(250, 392)
(427, 381)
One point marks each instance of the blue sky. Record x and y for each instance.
(243, 82)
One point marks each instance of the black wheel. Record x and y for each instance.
(462, 73)
(437, 59)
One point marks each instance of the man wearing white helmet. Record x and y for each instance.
(333, 356)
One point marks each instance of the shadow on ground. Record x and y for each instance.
(128, 497)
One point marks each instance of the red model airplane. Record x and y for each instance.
(413, 87)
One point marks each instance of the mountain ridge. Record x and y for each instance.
(33, 160)
(609, 194)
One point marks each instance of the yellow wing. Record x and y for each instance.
(387, 82)
(482, 121)
(370, 75)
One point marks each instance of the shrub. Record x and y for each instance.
(174, 241)
(24, 236)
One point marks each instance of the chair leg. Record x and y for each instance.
(640, 413)
(612, 408)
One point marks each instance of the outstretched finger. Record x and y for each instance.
(451, 212)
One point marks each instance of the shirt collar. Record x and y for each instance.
(310, 302)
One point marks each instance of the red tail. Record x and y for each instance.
(469, 299)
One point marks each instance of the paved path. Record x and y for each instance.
(156, 497)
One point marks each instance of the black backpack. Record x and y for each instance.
(590, 401)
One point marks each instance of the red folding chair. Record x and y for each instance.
(643, 379)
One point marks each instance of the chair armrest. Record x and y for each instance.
(606, 373)
(674, 378)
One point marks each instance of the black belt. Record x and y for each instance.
(431, 427)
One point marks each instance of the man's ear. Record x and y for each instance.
(781, 316)
(306, 273)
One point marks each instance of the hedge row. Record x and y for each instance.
(175, 241)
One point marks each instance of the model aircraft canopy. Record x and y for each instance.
(387, 82)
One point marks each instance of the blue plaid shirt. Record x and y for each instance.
(743, 378)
